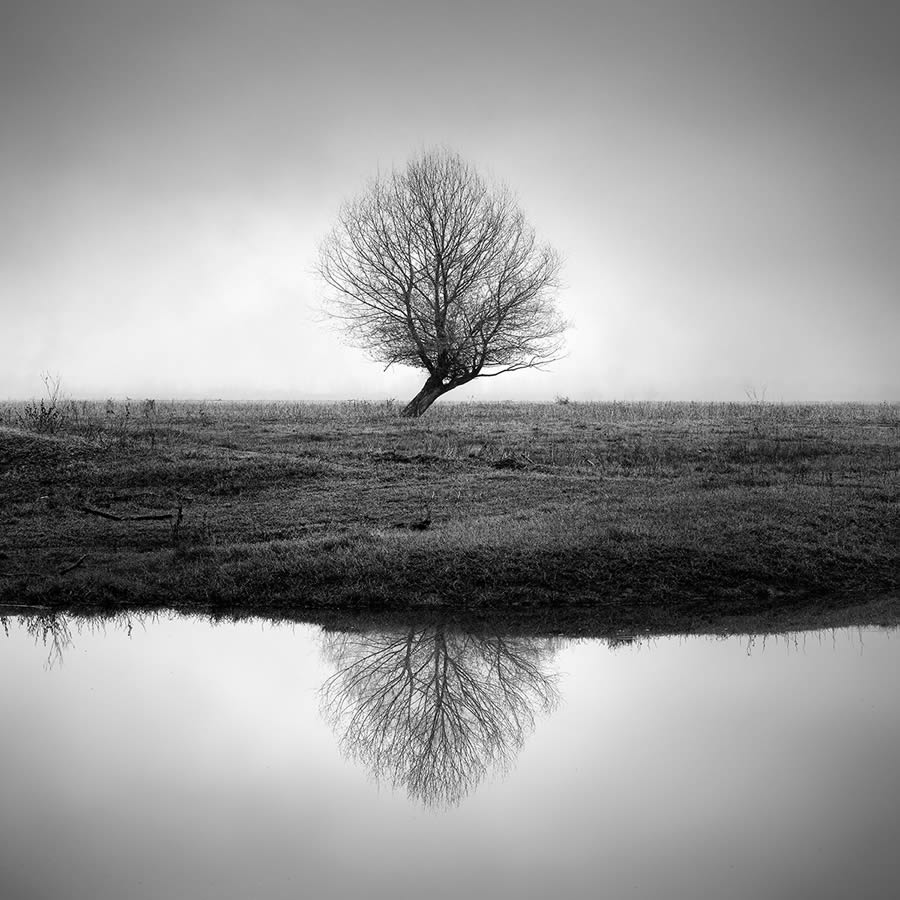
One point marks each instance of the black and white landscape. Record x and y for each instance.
(449, 448)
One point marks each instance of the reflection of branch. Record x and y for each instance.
(433, 709)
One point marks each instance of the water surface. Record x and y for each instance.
(182, 758)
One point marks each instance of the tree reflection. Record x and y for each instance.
(431, 709)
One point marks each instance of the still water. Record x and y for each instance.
(177, 758)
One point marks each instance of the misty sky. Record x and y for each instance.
(722, 180)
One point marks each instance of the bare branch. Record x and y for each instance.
(432, 268)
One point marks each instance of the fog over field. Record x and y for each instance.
(721, 179)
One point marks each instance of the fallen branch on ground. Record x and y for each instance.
(30, 574)
(144, 518)
(74, 565)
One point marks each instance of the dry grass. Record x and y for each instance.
(633, 512)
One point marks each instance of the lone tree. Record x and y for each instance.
(434, 268)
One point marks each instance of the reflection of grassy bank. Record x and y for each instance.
(629, 516)
(58, 630)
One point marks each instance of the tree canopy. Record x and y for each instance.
(434, 268)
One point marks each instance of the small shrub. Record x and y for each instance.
(50, 414)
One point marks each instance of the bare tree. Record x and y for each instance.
(433, 709)
(434, 268)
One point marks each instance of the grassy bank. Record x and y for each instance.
(638, 516)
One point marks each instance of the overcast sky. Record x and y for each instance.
(722, 180)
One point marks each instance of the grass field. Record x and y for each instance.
(576, 516)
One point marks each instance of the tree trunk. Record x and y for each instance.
(431, 390)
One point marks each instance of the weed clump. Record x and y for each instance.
(48, 415)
